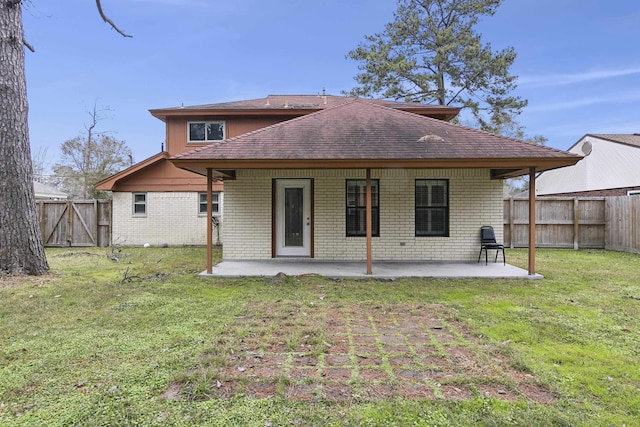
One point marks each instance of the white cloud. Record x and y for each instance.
(586, 101)
(574, 78)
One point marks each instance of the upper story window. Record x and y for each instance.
(205, 131)
(139, 203)
(215, 203)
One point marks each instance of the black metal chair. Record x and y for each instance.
(488, 242)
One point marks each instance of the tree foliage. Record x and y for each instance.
(432, 53)
(86, 160)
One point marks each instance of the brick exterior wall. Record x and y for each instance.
(474, 200)
(171, 218)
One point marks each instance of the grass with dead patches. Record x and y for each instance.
(143, 340)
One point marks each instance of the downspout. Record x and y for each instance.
(532, 221)
(209, 223)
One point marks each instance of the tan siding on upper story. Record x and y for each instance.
(164, 176)
(177, 129)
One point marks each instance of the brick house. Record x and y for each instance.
(365, 180)
(155, 202)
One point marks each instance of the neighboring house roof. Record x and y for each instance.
(43, 191)
(628, 139)
(610, 161)
(364, 134)
(298, 105)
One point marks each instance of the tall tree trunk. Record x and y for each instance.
(21, 249)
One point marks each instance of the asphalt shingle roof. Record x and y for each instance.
(624, 138)
(364, 130)
(302, 102)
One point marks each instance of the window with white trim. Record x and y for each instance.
(215, 203)
(432, 207)
(140, 204)
(203, 132)
(633, 192)
(356, 208)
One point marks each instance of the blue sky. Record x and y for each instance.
(578, 62)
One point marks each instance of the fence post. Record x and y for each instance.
(70, 223)
(511, 226)
(576, 224)
(41, 214)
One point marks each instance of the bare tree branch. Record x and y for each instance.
(109, 21)
(27, 45)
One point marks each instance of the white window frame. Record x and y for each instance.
(139, 203)
(633, 192)
(216, 203)
(205, 123)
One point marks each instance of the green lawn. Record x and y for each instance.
(144, 341)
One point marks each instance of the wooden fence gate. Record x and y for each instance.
(75, 222)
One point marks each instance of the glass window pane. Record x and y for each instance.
(351, 222)
(422, 195)
(438, 221)
(215, 131)
(294, 217)
(422, 221)
(202, 203)
(196, 131)
(438, 195)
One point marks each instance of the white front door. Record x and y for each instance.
(293, 217)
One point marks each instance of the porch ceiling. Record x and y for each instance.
(500, 168)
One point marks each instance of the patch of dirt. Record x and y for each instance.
(345, 352)
(173, 392)
(9, 281)
(304, 392)
(260, 390)
(456, 392)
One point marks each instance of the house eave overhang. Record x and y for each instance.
(441, 113)
(108, 184)
(501, 168)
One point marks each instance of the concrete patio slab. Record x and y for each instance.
(387, 270)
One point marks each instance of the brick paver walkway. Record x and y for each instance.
(349, 352)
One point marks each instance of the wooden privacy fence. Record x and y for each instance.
(578, 223)
(623, 223)
(75, 222)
